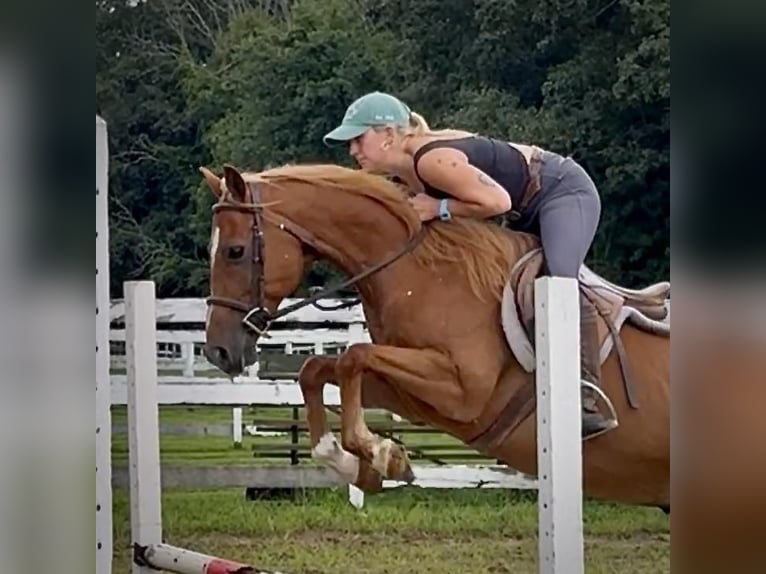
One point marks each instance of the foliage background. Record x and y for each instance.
(184, 83)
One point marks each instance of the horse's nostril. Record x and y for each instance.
(219, 356)
(223, 355)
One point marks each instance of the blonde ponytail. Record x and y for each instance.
(419, 127)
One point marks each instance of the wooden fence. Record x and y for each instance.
(272, 423)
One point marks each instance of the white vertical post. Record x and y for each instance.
(103, 394)
(355, 335)
(236, 412)
(187, 354)
(559, 444)
(236, 425)
(143, 423)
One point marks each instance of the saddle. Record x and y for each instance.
(647, 309)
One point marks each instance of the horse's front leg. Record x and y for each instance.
(314, 374)
(425, 374)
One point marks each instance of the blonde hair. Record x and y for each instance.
(419, 127)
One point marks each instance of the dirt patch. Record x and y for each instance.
(414, 537)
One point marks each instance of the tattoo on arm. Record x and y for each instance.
(485, 181)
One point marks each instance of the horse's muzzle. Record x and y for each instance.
(231, 361)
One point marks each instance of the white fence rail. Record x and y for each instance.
(180, 335)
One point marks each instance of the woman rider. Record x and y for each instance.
(457, 173)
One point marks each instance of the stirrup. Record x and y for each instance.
(611, 425)
(612, 411)
(602, 394)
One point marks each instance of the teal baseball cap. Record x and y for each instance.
(373, 109)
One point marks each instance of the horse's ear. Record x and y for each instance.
(213, 181)
(235, 184)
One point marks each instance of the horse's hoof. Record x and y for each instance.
(398, 467)
(391, 461)
(407, 475)
(368, 479)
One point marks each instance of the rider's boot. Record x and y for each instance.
(593, 421)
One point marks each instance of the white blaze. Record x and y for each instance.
(215, 236)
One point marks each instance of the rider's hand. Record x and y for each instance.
(426, 206)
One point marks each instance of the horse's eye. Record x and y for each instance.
(235, 252)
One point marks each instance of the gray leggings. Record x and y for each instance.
(568, 213)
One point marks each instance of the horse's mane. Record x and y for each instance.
(482, 250)
(344, 180)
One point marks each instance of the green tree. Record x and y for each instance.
(185, 83)
(273, 88)
(154, 143)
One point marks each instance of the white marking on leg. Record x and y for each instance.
(381, 454)
(329, 450)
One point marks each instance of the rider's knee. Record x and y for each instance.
(559, 265)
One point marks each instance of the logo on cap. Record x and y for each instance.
(352, 111)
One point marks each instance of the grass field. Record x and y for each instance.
(414, 531)
(405, 530)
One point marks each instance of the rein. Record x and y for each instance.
(257, 317)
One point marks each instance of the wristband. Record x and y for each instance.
(444, 213)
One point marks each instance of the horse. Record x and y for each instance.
(433, 295)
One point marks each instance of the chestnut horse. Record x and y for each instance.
(432, 296)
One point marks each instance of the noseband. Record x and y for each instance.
(257, 317)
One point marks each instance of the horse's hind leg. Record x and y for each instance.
(314, 374)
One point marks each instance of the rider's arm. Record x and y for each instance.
(475, 193)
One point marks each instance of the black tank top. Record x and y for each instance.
(499, 160)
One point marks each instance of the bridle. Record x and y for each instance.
(257, 317)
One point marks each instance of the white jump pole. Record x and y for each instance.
(149, 553)
(103, 392)
(143, 417)
(559, 444)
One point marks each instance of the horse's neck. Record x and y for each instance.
(354, 234)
